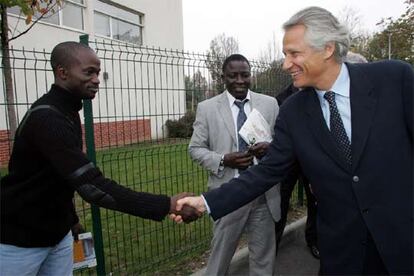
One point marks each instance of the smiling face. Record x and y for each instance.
(81, 76)
(237, 78)
(306, 65)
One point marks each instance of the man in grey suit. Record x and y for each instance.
(217, 147)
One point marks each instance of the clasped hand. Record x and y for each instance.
(186, 213)
(259, 149)
(242, 160)
(196, 202)
(238, 160)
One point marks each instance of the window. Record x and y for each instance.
(117, 23)
(125, 31)
(102, 26)
(70, 14)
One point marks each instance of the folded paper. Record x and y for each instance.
(255, 129)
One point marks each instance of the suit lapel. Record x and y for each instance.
(255, 101)
(319, 129)
(226, 114)
(363, 105)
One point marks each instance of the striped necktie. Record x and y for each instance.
(241, 118)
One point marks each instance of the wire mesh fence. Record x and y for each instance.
(142, 122)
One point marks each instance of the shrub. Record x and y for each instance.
(181, 128)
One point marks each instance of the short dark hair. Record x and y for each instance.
(65, 54)
(234, 57)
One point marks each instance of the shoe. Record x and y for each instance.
(314, 250)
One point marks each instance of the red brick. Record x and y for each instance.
(110, 134)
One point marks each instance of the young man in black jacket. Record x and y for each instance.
(47, 166)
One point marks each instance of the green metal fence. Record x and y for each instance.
(141, 90)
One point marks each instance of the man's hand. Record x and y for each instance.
(76, 230)
(195, 202)
(185, 213)
(238, 160)
(259, 149)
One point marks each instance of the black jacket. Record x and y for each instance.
(46, 166)
(375, 195)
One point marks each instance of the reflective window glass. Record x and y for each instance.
(72, 16)
(102, 26)
(126, 31)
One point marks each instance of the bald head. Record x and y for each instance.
(76, 68)
(66, 54)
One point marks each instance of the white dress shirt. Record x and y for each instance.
(341, 89)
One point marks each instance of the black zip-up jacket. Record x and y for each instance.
(46, 166)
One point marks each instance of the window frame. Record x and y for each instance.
(59, 13)
(83, 9)
(140, 24)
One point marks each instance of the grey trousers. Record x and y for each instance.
(254, 218)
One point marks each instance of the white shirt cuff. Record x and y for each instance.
(205, 203)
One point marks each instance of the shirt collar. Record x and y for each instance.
(341, 85)
(233, 99)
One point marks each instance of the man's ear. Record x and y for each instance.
(329, 50)
(61, 72)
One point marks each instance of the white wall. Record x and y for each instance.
(135, 89)
(163, 22)
(163, 26)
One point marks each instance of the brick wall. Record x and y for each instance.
(4, 148)
(106, 135)
(121, 133)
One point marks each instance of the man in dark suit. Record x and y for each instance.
(351, 130)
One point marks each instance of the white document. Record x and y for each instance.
(255, 129)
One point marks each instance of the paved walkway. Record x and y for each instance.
(293, 258)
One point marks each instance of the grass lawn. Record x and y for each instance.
(3, 171)
(134, 245)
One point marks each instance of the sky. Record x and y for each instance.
(257, 23)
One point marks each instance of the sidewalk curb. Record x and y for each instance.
(242, 255)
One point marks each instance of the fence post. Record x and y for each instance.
(90, 150)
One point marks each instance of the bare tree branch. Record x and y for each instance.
(49, 7)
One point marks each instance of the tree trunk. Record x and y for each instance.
(7, 72)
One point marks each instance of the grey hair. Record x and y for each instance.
(321, 28)
(352, 57)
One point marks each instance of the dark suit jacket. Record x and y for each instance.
(375, 194)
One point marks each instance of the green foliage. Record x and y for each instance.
(181, 128)
(400, 32)
(269, 78)
(397, 35)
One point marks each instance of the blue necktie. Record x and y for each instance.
(337, 127)
(241, 118)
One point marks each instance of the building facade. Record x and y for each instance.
(139, 43)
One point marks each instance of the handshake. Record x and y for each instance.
(185, 208)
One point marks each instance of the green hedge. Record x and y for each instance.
(181, 128)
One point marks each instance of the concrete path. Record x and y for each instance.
(294, 257)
